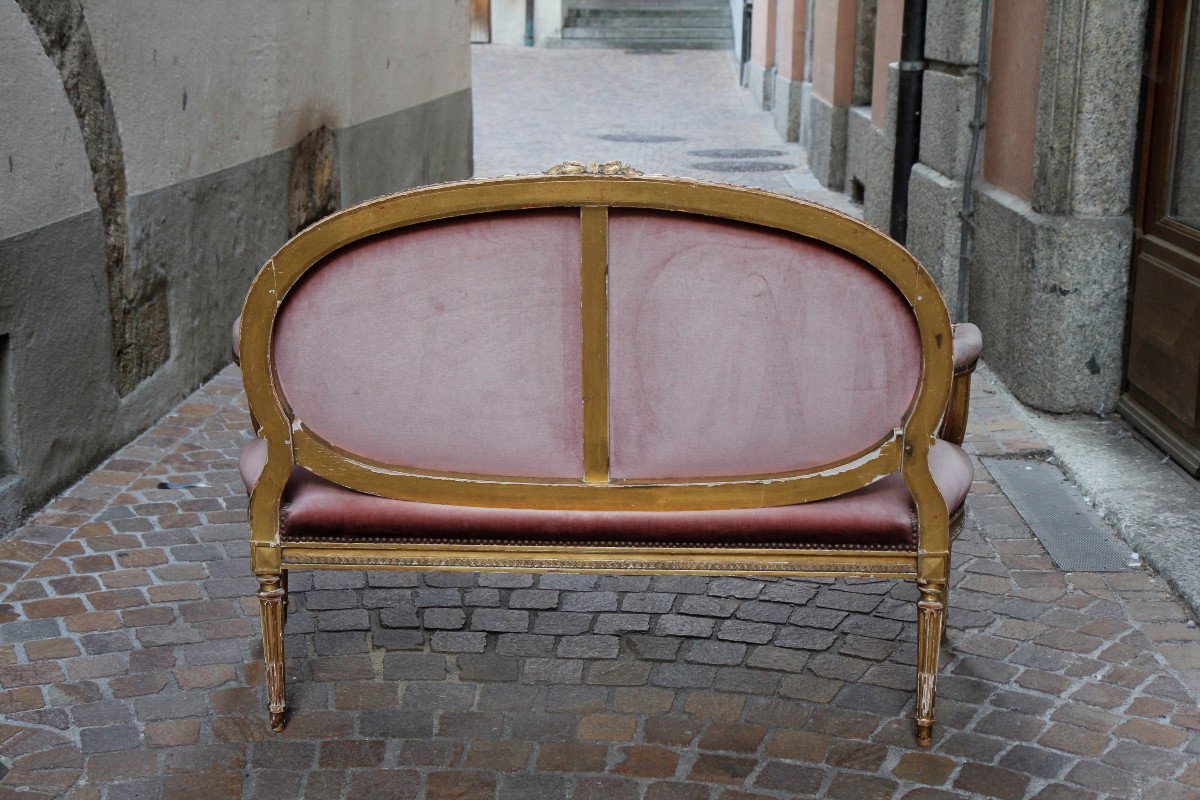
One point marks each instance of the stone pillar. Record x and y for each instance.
(1049, 283)
(760, 71)
(948, 98)
(872, 128)
(792, 38)
(832, 91)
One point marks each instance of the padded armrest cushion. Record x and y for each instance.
(968, 344)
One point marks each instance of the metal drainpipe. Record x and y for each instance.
(529, 23)
(908, 112)
(966, 238)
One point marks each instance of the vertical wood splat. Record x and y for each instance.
(594, 284)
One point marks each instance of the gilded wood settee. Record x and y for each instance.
(593, 370)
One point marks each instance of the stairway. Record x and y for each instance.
(646, 24)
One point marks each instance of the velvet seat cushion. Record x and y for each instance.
(879, 515)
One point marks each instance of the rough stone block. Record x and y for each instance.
(525, 644)
(350, 619)
(952, 31)
(499, 620)
(858, 131)
(827, 150)
(678, 625)
(589, 601)
(934, 202)
(414, 666)
(110, 739)
(760, 81)
(621, 623)
(721, 653)
(590, 646)
(947, 103)
(788, 110)
(533, 598)
(805, 115)
(1088, 108)
(1049, 295)
(459, 642)
(562, 623)
(450, 619)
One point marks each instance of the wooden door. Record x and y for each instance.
(481, 21)
(1162, 396)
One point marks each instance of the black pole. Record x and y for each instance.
(529, 23)
(908, 112)
(747, 21)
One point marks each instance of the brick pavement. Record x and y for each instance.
(130, 666)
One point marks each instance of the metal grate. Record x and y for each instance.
(743, 152)
(1072, 532)
(742, 166)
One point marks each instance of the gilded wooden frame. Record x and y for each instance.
(290, 443)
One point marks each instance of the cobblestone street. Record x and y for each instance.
(130, 665)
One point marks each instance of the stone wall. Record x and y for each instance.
(154, 154)
(1048, 273)
(1047, 270)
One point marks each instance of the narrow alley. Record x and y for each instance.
(131, 661)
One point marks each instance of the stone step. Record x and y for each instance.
(641, 6)
(641, 44)
(649, 34)
(647, 24)
(607, 20)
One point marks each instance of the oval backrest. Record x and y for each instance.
(449, 346)
(739, 350)
(533, 342)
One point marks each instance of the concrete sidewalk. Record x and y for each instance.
(672, 114)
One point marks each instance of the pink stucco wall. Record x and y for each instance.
(1015, 67)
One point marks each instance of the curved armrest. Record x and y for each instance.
(236, 338)
(968, 344)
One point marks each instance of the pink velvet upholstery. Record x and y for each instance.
(452, 346)
(740, 350)
(968, 344)
(879, 515)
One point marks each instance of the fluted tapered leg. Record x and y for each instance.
(272, 599)
(945, 609)
(931, 621)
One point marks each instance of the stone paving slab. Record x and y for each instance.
(130, 665)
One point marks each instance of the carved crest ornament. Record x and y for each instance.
(608, 169)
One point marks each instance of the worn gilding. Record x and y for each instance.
(594, 189)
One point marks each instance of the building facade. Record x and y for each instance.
(154, 154)
(1054, 190)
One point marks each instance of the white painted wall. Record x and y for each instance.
(257, 77)
(508, 21)
(44, 173)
